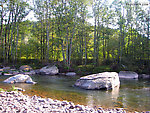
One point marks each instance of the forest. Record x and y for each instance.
(112, 36)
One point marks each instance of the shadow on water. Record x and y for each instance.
(132, 94)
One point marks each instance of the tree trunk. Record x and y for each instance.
(73, 33)
(1, 37)
(11, 40)
(41, 40)
(7, 39)
(17, 38)
(103, 45)
(47, 31)
(67, 45)
(95, 38)
(62, 49)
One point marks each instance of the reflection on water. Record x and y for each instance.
(132, 94)
(23, 85)
(90, 100)
(115, 92)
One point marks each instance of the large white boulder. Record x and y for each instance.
(49, 70)
(20, 78)
(105, 80)
(128, 74)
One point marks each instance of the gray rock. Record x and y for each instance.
(6, 69)
(105, 80)
(49, 70)
(64, 104)
(29, 81)
(128, 74)
(1, 70)
(1, 108)
(70, 74)
(25, 68)
(13, 71)
(19, 89)
(2, 95)
(37, 71)
(30, 73)
(62, 73)
(144, 76)
(19, 78)
(79, 108)
(7, 74)
(41, 100)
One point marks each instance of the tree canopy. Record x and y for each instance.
(118, 35)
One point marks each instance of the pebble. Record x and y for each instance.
(16, 102)
(2, 95)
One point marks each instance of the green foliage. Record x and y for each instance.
(12, 88)
(1, 90)
(62, 33)
(91, 69)
(9, 90)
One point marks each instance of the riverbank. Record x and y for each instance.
(17, 102)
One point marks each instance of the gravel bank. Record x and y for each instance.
(16, 102)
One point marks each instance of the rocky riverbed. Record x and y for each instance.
(16, 102)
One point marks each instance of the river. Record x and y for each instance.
(132, 94)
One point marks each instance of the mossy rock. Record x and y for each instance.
(26, 68)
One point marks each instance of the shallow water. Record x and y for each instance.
(132, 94)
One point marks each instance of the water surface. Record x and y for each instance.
(132, 94)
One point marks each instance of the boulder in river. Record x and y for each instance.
(6, 69)
(7, 74)
(128, 74)
(29, 73)
(20, 78)
(25, 68)
(70, 74)
(144, 76)
(105, 80)
(49, 70)
(1, 70)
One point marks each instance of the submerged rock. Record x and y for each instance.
(70, 74)
(128, 74)
(105, 80)
(49, 70)
(20, 78)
